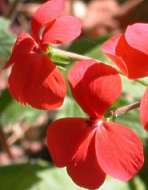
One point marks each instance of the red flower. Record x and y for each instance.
(130, 50)
(130, 53)
(34, 79)
(144, 109)
(91, 148)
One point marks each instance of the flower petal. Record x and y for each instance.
(144, 109)
(48, 12)
(36, 81)
(63, 138)
(109, 47)
(135, 36)
(24, 44)
(130, 51)
(63, 30)
(84, 169)
(119, 150)
(92, 86)
(135, 60)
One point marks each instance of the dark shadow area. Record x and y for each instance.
(20, 176)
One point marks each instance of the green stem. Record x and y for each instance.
(141, 82)
(64, 57)
(137, 81)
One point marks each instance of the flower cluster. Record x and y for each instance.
(91, 147)
(34, 79)
(130, 52)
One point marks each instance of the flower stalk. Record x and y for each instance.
(65, 57)
(124, 109)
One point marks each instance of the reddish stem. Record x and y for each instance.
(124, 109)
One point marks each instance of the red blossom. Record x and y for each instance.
(91, 148)
(130, 50)
(144, 109)
(34, 79)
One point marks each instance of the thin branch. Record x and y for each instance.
(124, 109)
(71, 55)
(77, 57)
(16, 136)
(5, 144)
(12, 8)
(129, 6)
(141, 82)
(72, 7)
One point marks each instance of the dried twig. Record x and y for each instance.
(124, 109)
(5, 144)
(12, 8)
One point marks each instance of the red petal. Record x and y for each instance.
(48, 12)
(60, 32)
(130, 52)
(135, 36)
(92, 86)
(84, 169)
(119, 150)
(144, 110)
(135, 60)
(36, 81)
(63, 138)
(24, 43)
(109, 47)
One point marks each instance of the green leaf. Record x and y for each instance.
(96, 53)
(132, 88)
(6, 99)
(113, 184)
(20, 176)
(12, 112)
(35, 177)
(131, 120)
(70, 109)
(41, 176)
(90, 47)
(6, 41)
(85, 44)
